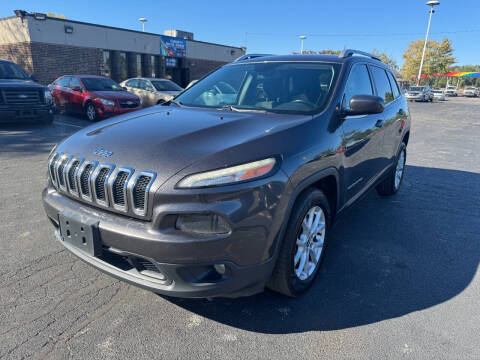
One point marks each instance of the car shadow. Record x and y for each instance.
(387, 257)
(32, 137)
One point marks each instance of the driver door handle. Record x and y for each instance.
(379, 123)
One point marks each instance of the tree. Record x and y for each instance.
(390, 61)
(438, 58)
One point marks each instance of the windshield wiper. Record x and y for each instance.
(236, 109)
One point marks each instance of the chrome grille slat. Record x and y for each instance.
(102, 184)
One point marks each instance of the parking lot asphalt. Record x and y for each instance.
(400, 277)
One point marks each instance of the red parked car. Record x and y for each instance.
(97, 97)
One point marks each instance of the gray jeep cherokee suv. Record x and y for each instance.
(234, 185)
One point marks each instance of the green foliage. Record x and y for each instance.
(438, 58)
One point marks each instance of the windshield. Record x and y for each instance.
(101, 84)
(287, 87)
(437, 91)
(12, 71)
(416, 88)
(451, 87)
(470, 88)
(166, 85)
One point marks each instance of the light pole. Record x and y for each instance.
(302, 37)
(143, 21)
(432, 4)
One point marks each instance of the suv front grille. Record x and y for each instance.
(85, 189)
(118, 187)
(71, 175)
(102, 184)
(22, 97)
(139, 191)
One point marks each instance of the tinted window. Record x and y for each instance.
(383, 85)
(358, 83)
(166, 85)
(63, 82)
(101, 84)
(122, 65)
(133, 83)
(107, 66)
(11, 71)
(139, 64)
(393, 83)
(287, 87)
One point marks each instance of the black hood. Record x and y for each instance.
(168, 139)
(5, 83)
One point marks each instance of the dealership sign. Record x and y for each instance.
(173, 46)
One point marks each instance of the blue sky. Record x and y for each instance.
(273, 26)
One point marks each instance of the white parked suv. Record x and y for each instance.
(451, 91)
(471, 91)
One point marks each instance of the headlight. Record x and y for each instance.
(106, 102)
(48, 96)
(229, 175)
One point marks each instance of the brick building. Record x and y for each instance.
(51, 47)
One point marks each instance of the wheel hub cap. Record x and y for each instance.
(309, 245)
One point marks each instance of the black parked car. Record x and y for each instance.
(235, 184)
(21, 98)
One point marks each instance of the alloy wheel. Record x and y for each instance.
(399, 169)
(309, 244)
(91, 113)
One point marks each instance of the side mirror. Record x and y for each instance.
(76, 88)
(124, 88)
(365, 105)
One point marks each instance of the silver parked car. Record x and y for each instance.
(152, 91)
(419, 93)
(438, 94)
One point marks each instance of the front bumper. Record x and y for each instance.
(415, 97)
(109, 111)
(13, 113)
(184, 264)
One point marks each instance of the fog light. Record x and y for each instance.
(219, 268)
(202, 224)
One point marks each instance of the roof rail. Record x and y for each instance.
(250, 56)
(349, 52)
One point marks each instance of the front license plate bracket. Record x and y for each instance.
(81, 232)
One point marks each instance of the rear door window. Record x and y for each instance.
(74, 82)
(393, 83)
(358, 83)
(384, 90)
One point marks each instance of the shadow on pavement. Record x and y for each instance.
(387, 257)
(31, 137)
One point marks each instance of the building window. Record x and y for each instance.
(139, 64)
(122, 66)
(154, 61)
(107, 64)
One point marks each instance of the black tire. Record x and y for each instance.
(284, 279)
(91, 114)
(388, 187)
